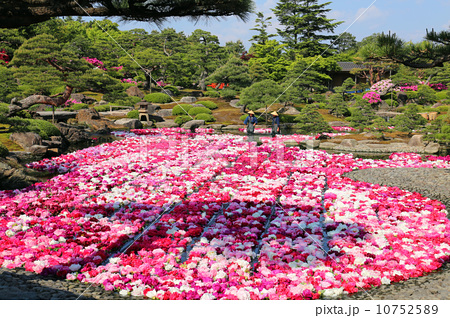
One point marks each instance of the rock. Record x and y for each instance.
(437, 105)
(215, 126)
(38, 150)
(135, 91)
(168, 92)
(291, 111)
(312, 144)
(73, 134)
(432, 147)
(102, 102)
(129, 122)
(368, 135)
(164, 112)
(81, 98)
(234, 102)
(401, 98)
(87, 115)
(26, 139)
(169, 123)
(233, 127)
(188, 99)
(12, 178)
(193, 124)
(290, 143)
(365, 142)
(338, 124)
(56, 138)
(348, 143)
(416, 141)
(327, 145)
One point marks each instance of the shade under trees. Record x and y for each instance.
(16, 13)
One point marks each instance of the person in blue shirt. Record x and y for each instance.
(275, 124)
(251, 122)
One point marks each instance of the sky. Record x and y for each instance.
(409, 19)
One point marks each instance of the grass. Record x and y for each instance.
(12, 146)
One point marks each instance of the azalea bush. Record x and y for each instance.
(216, 217)
(372, 97)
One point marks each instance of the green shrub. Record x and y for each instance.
(208, 104)
(284, 118)
(133, 114)
(159, 98)
(442, 95)
(199, 110)
(228, 94)
(212, 94)
(102, 108)
(3, 150)
(79, 106)
(242, 118)
(173, 89)
(391, 102)
(181, 109)
(44, 128)
(206, 117)
(320, 105)
(442, 109)
(4, 108)
(180, 120)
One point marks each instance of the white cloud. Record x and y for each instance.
(373, 13)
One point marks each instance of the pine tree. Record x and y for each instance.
(310, 121)
(261, 26)
(304, 24)
(234, 72)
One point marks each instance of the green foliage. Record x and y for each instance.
(133, 114)
(181, 109)
(271, 61)
(158, 98)
(79, 106)
(284, 118)
(337, 106)
(199, 110)
(304, 23)
(44, 128)
(8, 85)
(379, 124)
(242, 118)
(391, 102)
(228, 94)
(4, 109)
(261, 94)
(102, 108)
(211, 93)
(409, 120)
(261, 26)
(442, 109)
(439, 130)
(309, 121)
(206, 117)
(425, 95)
(173, 89)
(3, 150)
(442, 94)
(234, 72)
(208, 104)
(362, 115)
(180, 120)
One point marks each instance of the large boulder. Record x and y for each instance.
(26, 139)
(327, 145)
(164, 112)
(81, 98)
(291, 111)
(12, 178)
(432, 147)
(73, 134)
(193, 124)
(129, 122)
(348, 143)
(416, 141)
(234, 103)
(188, 99)
(135, 91)
(87, 115)
(312, 144)
(169, 123)
(38, 150)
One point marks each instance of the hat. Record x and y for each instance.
(251, 112)
(274, 113)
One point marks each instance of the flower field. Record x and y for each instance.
(169, 214)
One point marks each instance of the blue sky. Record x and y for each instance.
(408, 18)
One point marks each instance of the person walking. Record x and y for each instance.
(251, 122)
(275, 124)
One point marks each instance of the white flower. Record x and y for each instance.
(168, 267)
(207, 296)
(123, 292)
(9, 233)
(385, 281)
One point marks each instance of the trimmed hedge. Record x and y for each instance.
(212, 94)
(159, 98)
(208, 104)
(181, 110)
(206, 117)
(194, 111)
(3, 150)
(133, 114)
(180, 120)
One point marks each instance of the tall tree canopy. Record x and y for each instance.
(305, 25)
(16, 13)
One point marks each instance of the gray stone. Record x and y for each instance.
(164, 112)
(73, 134)
(102, 102)
(416, 141)
(81, 98)
(233, 127)
(437, 105)
(193, 124)
(290, 143)
(26, 139)
(348, 143)
(291, 111)
(234, 103)
(188, 99)
(327, 145)
(38, 150)
(135, 91)
(432, 147)
(312, 144)
(87, 115)
(12, 178)
(169, 123)
(365, 142)
(129, 122)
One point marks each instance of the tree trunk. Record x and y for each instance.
(17, 106)
(202, 81)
